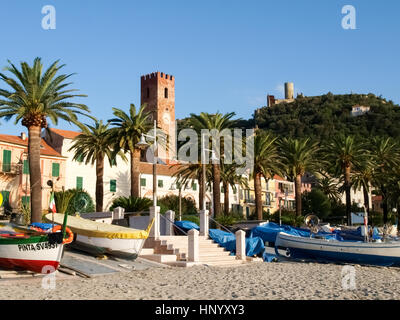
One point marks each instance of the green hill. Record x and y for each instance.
(328, 115)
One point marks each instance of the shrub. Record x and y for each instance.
(80, 202)
(132, 204)
(171, 202)
(62, 200)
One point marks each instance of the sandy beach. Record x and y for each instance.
(288, 281)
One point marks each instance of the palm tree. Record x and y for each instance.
(329, 186)
(230, 178)
(266, 165)
(92, 146)
(126, 134)
(216, 123)
(344, 154)
(298, 157)
(34, 97)
(193, 171)
(387, 157)
(363, 178)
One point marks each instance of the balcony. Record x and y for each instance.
(10, 168)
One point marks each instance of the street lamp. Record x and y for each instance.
(142, 144)
(203, 161)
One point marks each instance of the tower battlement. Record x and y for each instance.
(157, 74)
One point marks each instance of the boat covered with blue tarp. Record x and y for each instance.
(269, 231)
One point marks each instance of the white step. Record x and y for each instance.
(146, 251)
(162, 258)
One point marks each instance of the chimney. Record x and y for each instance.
(23, 136)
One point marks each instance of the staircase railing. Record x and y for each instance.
(220, 225)
(175, 226)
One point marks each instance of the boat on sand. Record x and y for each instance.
(101, 238)
(33, 249)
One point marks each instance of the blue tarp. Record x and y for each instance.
(43, 226)
(355, 235)
(227, 240)
(270, 230)
(186, 225)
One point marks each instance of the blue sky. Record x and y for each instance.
(226, 55)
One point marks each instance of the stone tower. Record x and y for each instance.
(158, 93)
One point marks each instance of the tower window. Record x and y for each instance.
(166, 93)
(148, 92)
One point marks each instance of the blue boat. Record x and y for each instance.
(316, 247)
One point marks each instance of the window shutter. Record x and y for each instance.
(6, 160)
(79, 183)
(113, 185)
(56, 170)
(26, 167)
(142, 182)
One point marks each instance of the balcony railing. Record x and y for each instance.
(10, 168)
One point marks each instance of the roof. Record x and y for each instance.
(44, 150)
(66, 133)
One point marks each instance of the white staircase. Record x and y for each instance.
(173, 251)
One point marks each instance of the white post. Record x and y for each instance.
(193, 245)
(240, 245)
(155, 230)
(204, 224)
(169, 223)
(118, 213)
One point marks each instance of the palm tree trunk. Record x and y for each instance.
(297, 187)
(347, 186)
(201, 191)
(99, 184)
(226, 198)
(258, 199)
(35, 173)
(366, 200)
(216, 189)
(135, 172)
(385, 206)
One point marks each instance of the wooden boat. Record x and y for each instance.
(102, 238)
(368, 253)
(27, 249)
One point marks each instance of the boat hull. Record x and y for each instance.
(380, 254)
(35, 254)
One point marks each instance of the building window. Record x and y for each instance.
(160, 183)
(148, 92)
(55, 170)
(79, 183)
(142, 182)
(113, 185)
(26, 167)
(6, 160)
(113, 162)
(166, 93)
(194, 186)
(80, 158)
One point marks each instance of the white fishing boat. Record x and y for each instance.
(369, 253)
(102, 238)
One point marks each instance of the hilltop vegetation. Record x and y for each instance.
(329, 115)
